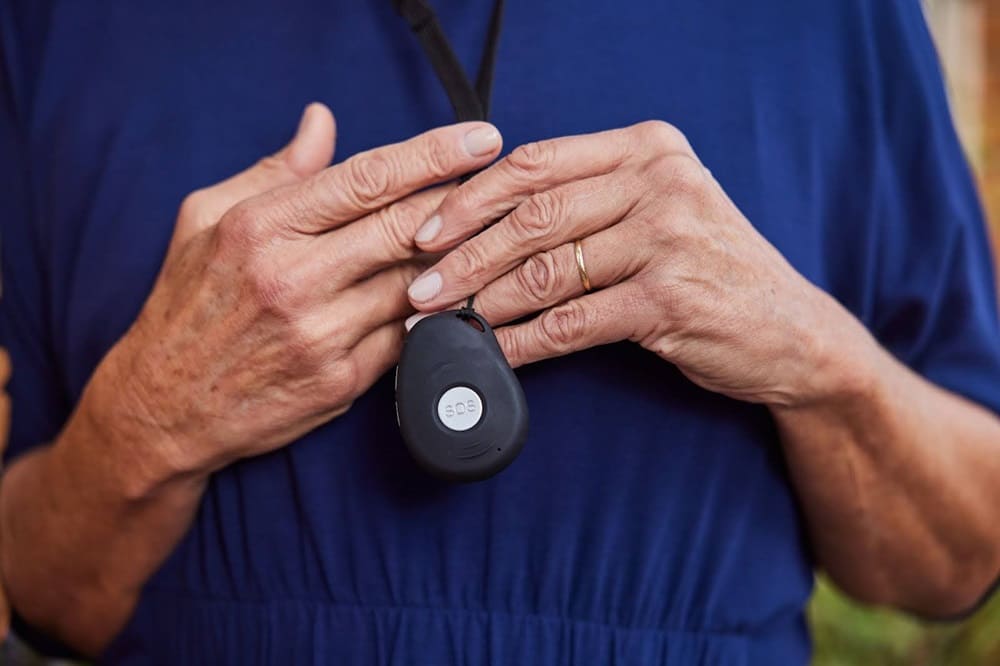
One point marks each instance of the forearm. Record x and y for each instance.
(900, 481)
(86, 521)
(900, 484)
(228, 359)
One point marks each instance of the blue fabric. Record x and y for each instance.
(647, 521)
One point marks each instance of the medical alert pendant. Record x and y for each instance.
(459, 405)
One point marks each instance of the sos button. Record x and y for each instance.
(460, 408)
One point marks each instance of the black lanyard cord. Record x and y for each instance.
(484, 81)
(469, 103)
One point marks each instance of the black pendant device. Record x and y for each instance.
(460, 408)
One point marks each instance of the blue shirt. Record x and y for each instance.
(647, 521)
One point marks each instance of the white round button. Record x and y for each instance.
(460, 408)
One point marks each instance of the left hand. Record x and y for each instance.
(673, 266)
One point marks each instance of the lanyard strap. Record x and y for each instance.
(469, 103)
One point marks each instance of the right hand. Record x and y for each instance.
(281, 298)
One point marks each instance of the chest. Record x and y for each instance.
(138, 104)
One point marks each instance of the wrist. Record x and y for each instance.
(843, 365)
(115, 423)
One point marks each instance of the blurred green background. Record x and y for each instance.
(848, 634)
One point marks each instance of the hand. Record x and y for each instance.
(673, 265)
(281, 298)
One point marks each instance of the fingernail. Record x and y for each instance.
(482, 140)
(428, 230)
(412, 320)
(425, 287)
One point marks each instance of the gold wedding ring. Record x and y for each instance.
(581, 265)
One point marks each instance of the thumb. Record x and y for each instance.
(311, 149)
(309, 152)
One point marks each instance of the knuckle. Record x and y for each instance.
(563, 325)
(343, 376)
(537, 217)
(406, 214)
(662, 136)
(467, 263)
(370, 177)
(512, 344)
(238, 228)
(660, 170)
(667, 294)
(194, 205)
(652, 227)
(303, 346)
(537, 276)
(394, 225)
(340, 336)
(462, 200)
(438, 157)
(682, 175)
(269, 290)
(689, 180)
(532, 158)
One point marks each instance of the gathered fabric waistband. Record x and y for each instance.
(209, 631)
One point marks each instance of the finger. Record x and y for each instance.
(375, 178)
(309, 151)
(599, 318)
(552, 276)
(367, 305)
(380, 239)
(546, 220)
(412, 320)
(378, 352)
(540, 166)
